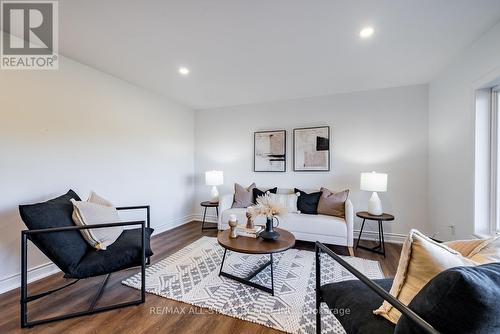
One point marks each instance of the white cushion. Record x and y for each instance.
(288, 201)
(97, 210)
(314, 224)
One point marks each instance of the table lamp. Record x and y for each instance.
(214, 178)
(375, 182)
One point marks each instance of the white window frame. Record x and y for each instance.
(487, 164)
(495, 164)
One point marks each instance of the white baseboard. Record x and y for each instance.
(173, 224)
(41, 271)
(373, 235)
(34, 274)
(208, 218)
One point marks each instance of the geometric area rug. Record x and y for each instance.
(191, 275)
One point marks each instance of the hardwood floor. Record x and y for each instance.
(145, 318)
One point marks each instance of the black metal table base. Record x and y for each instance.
(203, 227)
(380, 248)
(247, 280)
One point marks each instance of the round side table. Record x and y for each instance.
(208, 204)
(380, 248)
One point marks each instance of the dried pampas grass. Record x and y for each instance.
(266, 207)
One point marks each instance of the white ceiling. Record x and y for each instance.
(245, 51)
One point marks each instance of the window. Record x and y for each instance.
(495, 107)
(487, 162)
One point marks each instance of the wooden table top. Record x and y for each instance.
(209, 204)
(383, 217)
(248, 245)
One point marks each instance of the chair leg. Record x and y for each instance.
(148, 224)
(318, 292)
(24, 280)
(143, 265)
(272, 274)
(99, 293)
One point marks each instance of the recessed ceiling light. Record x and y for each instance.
(366, 32)
(184, 70)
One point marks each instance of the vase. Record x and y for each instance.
(269, 233)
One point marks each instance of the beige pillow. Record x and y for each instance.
(332, 203)
(487, 252)
(243, 197)
(465, 247)
(421, 259)
(94, 198)
(97, 210)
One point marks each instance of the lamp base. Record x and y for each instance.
(374, 205)
(214, 195)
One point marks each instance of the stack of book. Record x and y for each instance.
(243, 231)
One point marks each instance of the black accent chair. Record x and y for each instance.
(51, 229)
(459, 300)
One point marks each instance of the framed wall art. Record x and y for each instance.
(311, 149)
(269, 151)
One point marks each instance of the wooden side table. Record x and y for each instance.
(380, 248)
(206, 205)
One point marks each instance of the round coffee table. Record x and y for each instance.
(255, 246)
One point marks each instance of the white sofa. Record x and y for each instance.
(326, 229)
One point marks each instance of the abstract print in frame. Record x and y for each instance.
(269, 151)
(311, 149)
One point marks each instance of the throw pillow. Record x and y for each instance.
(478, 250)
(288, 201)
(464, 247)
(308, 203)
(332, 203)
(92, 212)
(94, 198)
(459, 300)
(421, 260)
(257, 192)
(487, 252)
(56, 213)
(243, 197)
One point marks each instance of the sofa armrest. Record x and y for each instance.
(349, 219)
(225, 203)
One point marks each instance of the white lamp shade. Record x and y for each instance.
(373, 181)
(214, 178)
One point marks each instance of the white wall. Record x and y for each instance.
(451, 135)
(383, 130)
(79, 128)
